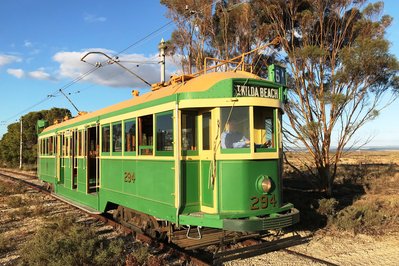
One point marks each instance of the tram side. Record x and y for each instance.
(162, 155)
(114, 159)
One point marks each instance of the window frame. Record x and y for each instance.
(105, 153)
(124, 148)
(155, 138)
(272, 149)
(140, 146)
(244, 150)
(116, 153)
(196, 132)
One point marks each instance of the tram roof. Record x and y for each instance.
(197, 84)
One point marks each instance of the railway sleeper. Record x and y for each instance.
(258, 249)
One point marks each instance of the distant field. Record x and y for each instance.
(354, 157)
(366, 157)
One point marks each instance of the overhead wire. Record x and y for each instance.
(54, 93)
(82, 76)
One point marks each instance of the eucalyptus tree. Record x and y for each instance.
(342, 73)
(219, 29)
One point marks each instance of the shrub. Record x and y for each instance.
(68, 243)
(15, 202)
(327, 206)
(138, 257)
(3, 243)
(40, 210)
(361, 217)
(22, 212)
(10, 189)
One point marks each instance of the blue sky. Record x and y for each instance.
(41, 43)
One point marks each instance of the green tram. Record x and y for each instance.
(198, 151)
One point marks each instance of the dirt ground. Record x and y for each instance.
(337, 249)
(368, 181)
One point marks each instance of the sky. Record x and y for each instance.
(42, 42)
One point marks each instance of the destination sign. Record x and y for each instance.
(254, 91)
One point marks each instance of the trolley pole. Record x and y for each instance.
(20, 145)
(162, 47)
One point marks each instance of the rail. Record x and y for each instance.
(251, 244)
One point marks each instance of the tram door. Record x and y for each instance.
(93, 159)
(207, 180)
(59, 158)
(74, 146)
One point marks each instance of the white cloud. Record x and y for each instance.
(8, 59)
(93, 18)
(40, 74)
(16, 72)
(111, 74)
(28, 44)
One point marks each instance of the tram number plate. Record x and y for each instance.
(263, 202)
(129, 177)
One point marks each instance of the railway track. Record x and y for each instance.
(227, 245)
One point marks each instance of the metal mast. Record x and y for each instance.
(20, 146)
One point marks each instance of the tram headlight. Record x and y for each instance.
(264, 184)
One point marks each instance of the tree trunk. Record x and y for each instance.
(327, 180)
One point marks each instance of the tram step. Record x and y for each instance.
(77, 205)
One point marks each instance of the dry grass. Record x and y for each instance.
(11, 189)
(66, 242)
(366, 194)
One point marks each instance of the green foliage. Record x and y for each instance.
(327, 206)
(310, 130)
(343, 72)
(10, 142)
(65, 242)
(222, 30)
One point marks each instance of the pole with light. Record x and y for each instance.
(20, 145)
(162, 47)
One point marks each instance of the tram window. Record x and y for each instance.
(130, 136)
(188, 128)
(43, 151)
(264, 128)
(62, 143)
(80, 143)
(146, 124)
(234, 127)
(71, 143)
(105, 138)
(117, 137)
(164, 127)
(50, 146)
(66, 139)
(55, 147)
(206, 131)
(74, 143)
(45, 146)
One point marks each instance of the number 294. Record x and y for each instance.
(263, 202)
